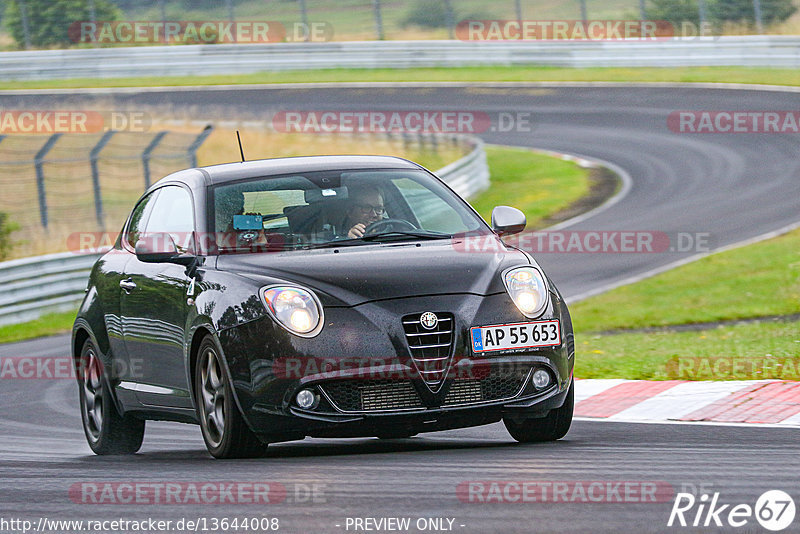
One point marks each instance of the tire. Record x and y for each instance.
(106, 430)
(549, 428)
(224, 429)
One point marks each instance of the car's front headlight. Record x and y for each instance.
(296, 309)
(527, 289)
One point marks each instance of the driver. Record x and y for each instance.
(366, 207)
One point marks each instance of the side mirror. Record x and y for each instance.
(507, 220)
(160, 248)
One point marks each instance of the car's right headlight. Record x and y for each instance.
(528, 290)
(296, 309)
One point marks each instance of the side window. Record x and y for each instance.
(173, 214)
(138, 219)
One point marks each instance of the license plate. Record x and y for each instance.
(515, 336)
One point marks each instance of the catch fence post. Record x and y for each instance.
(38, 163)
(195, 146)
(146, 156)
(93, 157)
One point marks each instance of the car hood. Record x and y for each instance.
(349, 276)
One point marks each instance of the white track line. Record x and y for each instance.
(792, 421)
(782, 425)
(589, 388)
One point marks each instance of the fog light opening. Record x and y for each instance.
(307, 399)
(541, 379)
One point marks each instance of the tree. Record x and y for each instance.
(674, 11)
(772, 11)
(49, 20)
(719, 11)
(427, 14)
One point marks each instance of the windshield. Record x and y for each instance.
(342, 208)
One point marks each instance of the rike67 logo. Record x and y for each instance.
(774, 510)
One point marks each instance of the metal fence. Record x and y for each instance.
(764, 51)
(57, 184)
(385, 19)
(30, 287)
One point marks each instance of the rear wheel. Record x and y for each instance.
(553, 426)
(106, 430)
(224, 429)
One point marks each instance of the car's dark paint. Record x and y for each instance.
(347, 277)
(147, 338)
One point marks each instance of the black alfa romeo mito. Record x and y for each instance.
(335, 296)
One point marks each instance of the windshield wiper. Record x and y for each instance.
(399, 235)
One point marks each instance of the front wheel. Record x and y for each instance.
(553, 426)
(106, 430)
(224, 429)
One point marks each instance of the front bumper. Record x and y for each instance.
(383, 392)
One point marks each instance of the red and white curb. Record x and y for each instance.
(773, 402)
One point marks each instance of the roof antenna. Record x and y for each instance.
(241, 150)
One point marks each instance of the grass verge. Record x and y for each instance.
(746, 75)
(537, 184)
(46, 325)
(754, 281)
(751, 351)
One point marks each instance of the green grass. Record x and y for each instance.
(46, 325)
(753, 281)
(739, 352)
(537, 184)
(745, 75)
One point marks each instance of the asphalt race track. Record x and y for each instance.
(731, 186)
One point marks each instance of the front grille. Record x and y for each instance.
(495, 386)
(430, 349)
(372, 395)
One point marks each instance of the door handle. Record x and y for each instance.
(128, 285)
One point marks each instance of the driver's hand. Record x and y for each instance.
(357, 231)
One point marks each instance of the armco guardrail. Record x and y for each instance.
(751, 50)
(468, 175)
(30, 287)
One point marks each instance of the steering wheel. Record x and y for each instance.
(377, 226)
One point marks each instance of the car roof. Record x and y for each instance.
(228, 172)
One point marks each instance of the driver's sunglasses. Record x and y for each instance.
(366, 208)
